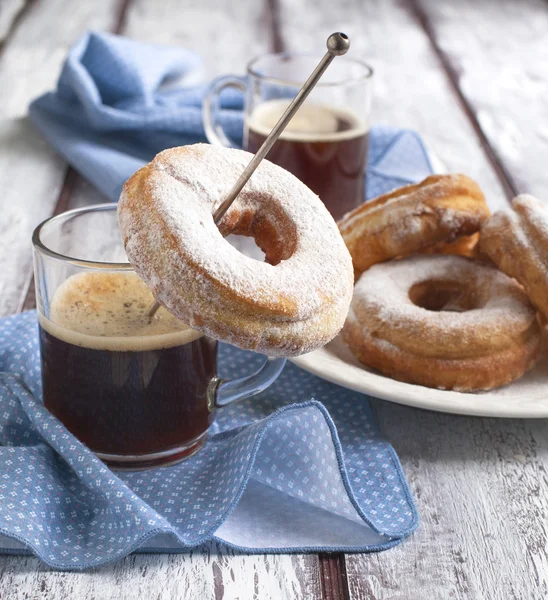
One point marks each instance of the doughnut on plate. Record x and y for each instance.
(525, 398)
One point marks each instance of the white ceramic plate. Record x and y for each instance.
(525, 398)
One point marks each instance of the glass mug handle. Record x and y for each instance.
(211, 108)
(223, 392)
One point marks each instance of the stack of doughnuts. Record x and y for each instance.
(446, 295)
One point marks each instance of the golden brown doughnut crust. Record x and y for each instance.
(294, 303)
(443, 321)
(464, 375)
(517, 242)
(409, 219)
(466, 245)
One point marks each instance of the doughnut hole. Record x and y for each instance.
(445, 295)
(247, 246)
(271, 228)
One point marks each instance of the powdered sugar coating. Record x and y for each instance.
(536, 211)
(287, 308)
(479, 330)
(385, 289)
(529, 222)
(412, 218)
(517, 241)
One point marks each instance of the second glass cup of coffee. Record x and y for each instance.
(139, 392)
(325, 144)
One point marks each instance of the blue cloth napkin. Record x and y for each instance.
(115, 107)
(276, 475)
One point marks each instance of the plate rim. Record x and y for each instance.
(307, 362)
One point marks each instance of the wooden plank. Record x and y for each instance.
(226, 35)
(27, 297)
(214, 31)
(9, 10)
(410, 89)
(31, 173)
(497, 53)
(481, 489)
(200, 574)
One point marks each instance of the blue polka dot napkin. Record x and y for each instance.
(301, 467)
(114, 109)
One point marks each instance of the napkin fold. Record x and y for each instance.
(301, 467)
(116, 105)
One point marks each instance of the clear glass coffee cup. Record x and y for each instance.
(139, 392)
(325, 144)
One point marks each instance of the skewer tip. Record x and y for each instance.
(338, 44)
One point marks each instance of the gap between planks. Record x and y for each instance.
(506, 180)
(28, 296)
(17, 17)
(334, 579)
(273, 9)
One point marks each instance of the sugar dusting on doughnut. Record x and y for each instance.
(290, 307)
(517, 242)
(469, 327)
(394, 280)
(536, 211)
(240, 273)
(412, 218)
(530, 224)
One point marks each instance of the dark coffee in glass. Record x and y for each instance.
(325, 147)
(120, 382)
(325, 143)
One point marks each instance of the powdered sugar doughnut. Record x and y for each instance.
(517, 242)
(411, 218)
(443, 321)
(293, 303)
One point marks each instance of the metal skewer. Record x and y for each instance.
(337, 45)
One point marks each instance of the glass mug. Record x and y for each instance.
(138, 392)
(325, 144)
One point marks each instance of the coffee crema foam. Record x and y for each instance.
(108, 311)
(313, 122)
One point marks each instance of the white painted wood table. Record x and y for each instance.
(472, 77)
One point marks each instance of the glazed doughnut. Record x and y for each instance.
(293, 303)
(517, 242)
(443, 321)
(403, 222)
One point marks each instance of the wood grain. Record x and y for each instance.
(227, 36)
(497, 51)
(205, 574)
(334, 579)
(410, 87)
(9, 9)
(64, 199)
(481, 490)
(481, 484)
(31, 173)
